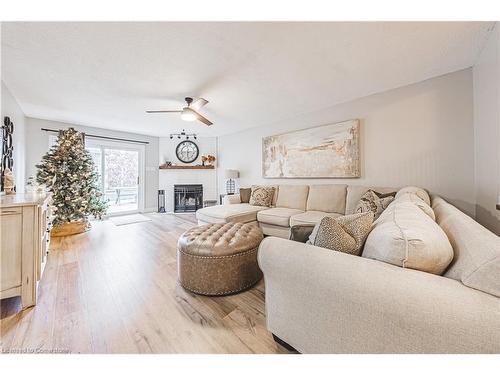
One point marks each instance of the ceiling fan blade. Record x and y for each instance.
(198, 103)
(163, 111)
(201, 118)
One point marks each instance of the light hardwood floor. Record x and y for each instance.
(114, 290)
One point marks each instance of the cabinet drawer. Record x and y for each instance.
(11, 211)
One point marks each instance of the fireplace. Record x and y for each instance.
(188, 198)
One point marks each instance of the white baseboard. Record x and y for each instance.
(150, 209)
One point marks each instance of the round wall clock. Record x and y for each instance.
(187, 151)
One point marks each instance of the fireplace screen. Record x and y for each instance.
(188, 198)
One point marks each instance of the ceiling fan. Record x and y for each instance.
(189, 113)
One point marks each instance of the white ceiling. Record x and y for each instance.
(107, 74)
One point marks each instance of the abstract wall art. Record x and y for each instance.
(328, 151)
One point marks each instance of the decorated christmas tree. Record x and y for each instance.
(68, 172)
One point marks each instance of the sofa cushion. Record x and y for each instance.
(413, 190)
(355, 192)
(375, 202)
(237, 213)
(346, 234)
(327, 198)
(477, 250)
(405, 236)
(310, 217)
(275, 230)
(232, 199)
(277, 216)
(262, 195)
(292, 196)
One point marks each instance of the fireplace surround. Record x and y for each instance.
(188, 198)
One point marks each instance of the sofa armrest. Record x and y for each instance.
(231, 199)
(323, 301)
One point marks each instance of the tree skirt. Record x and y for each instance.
(70, 228)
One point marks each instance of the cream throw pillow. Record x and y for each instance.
(262, 196)
(407, 237)
(419, 192)
(419, 202)
(346, 234)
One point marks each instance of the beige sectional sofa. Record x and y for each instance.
(292, 205)
(324, 301)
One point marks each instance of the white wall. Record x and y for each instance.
(11, 108)
(486, 73)
(37, 142)
(167, 146)
(169, 177)
(421, 134)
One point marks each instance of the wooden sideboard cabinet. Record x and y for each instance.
(24, 244)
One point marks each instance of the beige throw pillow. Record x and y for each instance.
(407, 237)
(419, 192)
(419, 202)
(374, 202)
(346, 234)
(262, 196)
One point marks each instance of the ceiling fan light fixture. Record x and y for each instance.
(190, 112)
(188, 115)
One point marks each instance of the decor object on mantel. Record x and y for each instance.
(164, 166)
(207, 159)
(68, 171)
(329, 151)
(231, 175)
(7, 149)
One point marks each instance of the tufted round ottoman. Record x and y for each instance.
(219, 259)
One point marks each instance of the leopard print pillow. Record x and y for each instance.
(262, 196)
(346, 234)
